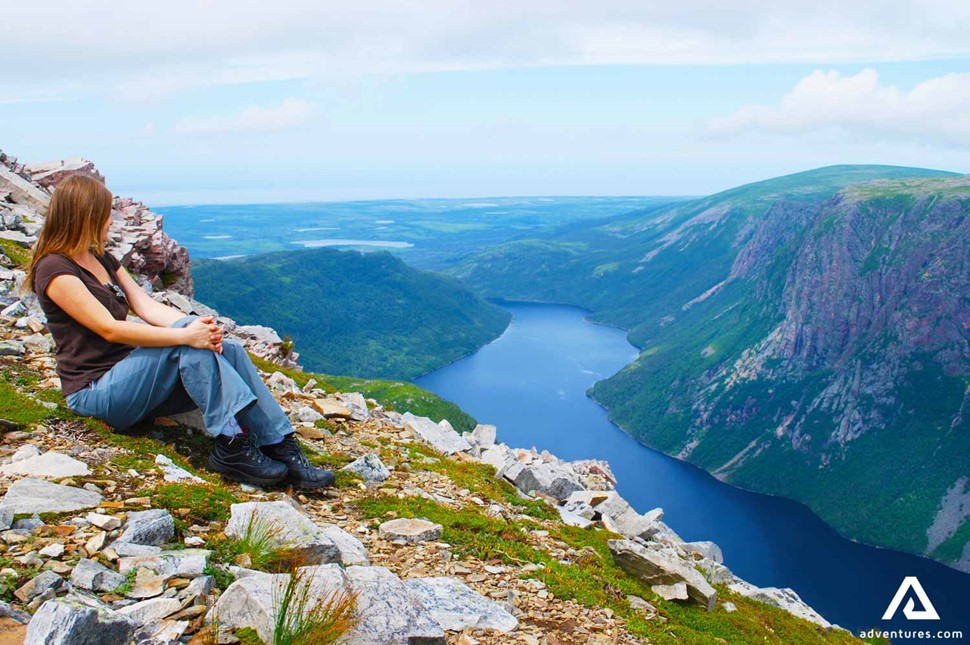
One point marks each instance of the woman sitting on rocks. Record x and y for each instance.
(122, 372)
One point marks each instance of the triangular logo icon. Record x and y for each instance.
(928, 612)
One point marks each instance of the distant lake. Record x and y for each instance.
(532, 382)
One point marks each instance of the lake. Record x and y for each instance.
(531, 383)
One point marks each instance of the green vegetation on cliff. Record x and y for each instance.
(366, 314)
(804, 336)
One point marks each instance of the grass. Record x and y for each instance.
(304, 619)
(125, 587)
(15, 252)
(202, 502)
(260, 547)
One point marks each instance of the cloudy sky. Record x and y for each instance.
(218, 101)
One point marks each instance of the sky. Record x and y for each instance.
(216, 101)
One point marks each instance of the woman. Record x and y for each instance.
(122, 372)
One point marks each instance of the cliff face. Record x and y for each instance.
(832, 365)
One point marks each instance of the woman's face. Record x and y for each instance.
(104, 231)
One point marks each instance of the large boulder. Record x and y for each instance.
(152, 527)
(387, 613)
(556, 480)
(661, 566)
(286, 526)
(441, 436)
(455, 606)
(67, 622)
(38, 496)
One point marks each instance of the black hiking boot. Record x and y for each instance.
(302, 473)
(238, 458)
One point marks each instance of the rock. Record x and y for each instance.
(201, 586)
(68, 622)
(410, 530)
(37, 344)
(386, 612)
(352, 551)
(254, 601)
(785, 599)
(308, 415)
(6, 517)
(18, 308)
(441, 436)
(147, 584)
(661, 566)
(39, 496)
(184, 563)
(23, 191)
(50, 173)
(287, 526)
(555, 480)
(705, 549)
(594, 474)
(152, 527)
(729, 607)
(484, 436)
(357, 404)
(676, 591)
(96, 543)
(147, 611)
(6, 611)
(331, 408)
(280, 382)
(173, 473)
(455, 606)
(94, 576)
(11, 348)
(370, 467)
(28, 523)
(572, 519)
(25, 452)
(130, 549)
(165, 632)
(50, 464)
(641, 605)
(105, 522)
(39, 584)
(54, 550)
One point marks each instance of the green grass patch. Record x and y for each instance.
(15, 252)
(205, 502)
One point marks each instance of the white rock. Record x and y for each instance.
(146, 611)
(39, 496)
(173, 473)
(455, 606)
(25, 452)
(68, 622)
(662, 566)
(287, 526)
(441, 436)
(51, 464)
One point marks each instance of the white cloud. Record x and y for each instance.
(936, 110)
(180, 44)
(291, 112)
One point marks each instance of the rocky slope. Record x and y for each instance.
(437, 536)
(805, 336)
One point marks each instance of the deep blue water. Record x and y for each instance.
(531, 383)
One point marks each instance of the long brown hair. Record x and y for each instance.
(75, 218)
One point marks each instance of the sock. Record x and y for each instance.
(231, 429)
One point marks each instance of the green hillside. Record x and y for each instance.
(799, 336)
(353, 313)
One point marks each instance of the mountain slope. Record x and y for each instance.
(353, 313)
(797, 340)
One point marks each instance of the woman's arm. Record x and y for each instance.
(70, 294)
(145, 307)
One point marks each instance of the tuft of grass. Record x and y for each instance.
(303, 619)
(15, 252)
(125, 587)
(262, 544)
(248, 636)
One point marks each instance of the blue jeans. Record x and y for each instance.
(221, 385)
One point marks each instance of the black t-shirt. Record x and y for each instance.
(82, 355)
